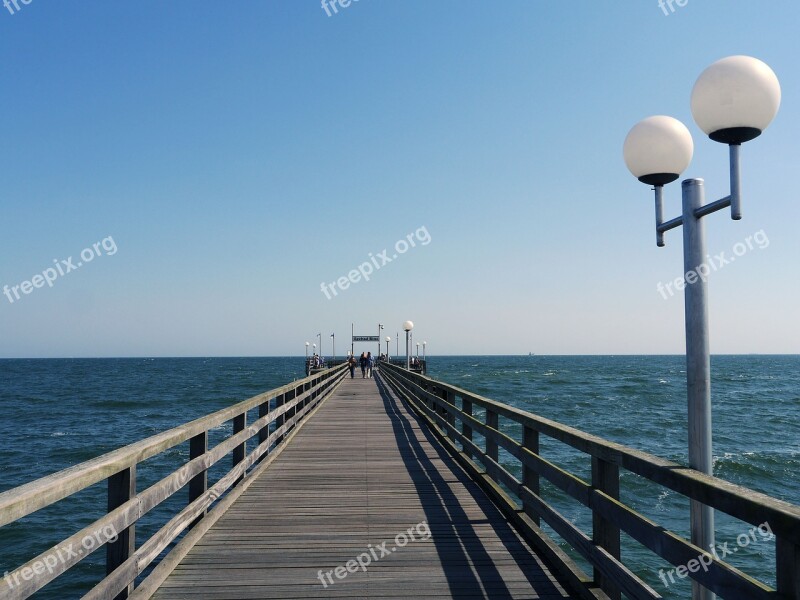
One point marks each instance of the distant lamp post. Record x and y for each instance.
(314, 347)
(307, 345)
(407, 327)
(423, 349)
(388, 339)
(417, 349)
(319, 335)
(333, 348)
(733, 101)
(397, 344)
(380, 327)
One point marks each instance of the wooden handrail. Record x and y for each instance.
(436, 401)
(124, 561)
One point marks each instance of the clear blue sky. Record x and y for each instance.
(241, 153)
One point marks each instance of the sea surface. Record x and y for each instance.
(56, 413)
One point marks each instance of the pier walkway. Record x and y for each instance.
(362, 471)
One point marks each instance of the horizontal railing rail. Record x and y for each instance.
(438, 402)
(279, 411)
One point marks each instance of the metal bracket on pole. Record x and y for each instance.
(734, 200)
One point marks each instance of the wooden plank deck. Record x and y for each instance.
(359, 473)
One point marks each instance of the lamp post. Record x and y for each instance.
(333, 348)
(407, 327)
(423, 349)
(380, 327)
(307, 345)
(388, 339)
(397, 344)
(417, 349)
(733, 101)
(319, 335)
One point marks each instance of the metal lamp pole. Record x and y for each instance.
(307, 345)
(380, 327)
(333, 348)
(388, 339)
(423, 349)
(407, 327)
(733, 101)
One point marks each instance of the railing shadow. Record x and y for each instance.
(468, 566)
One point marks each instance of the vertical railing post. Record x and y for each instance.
(491, 446)
(450, 398)
(787, 563)
(280, 419)
(298, 408)
(466, 430)
(312, 397)
(317, 385)
(121, 489)
(263, 434)
(605, 477)
(301, 389)
(530, 478)
(292, 412)
(198, 445)
(433, 404)
(239, 423)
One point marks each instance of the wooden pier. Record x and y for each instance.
(399, 486)
(362, 471)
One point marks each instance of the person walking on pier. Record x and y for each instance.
(370, 364)
(351, 362)
(363, 361)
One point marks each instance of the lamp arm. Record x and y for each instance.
(662, 226)
(734, 200)
(736, 183)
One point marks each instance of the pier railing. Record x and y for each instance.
(279, 412)
(449, 410)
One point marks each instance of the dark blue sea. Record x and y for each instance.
(57, 413)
